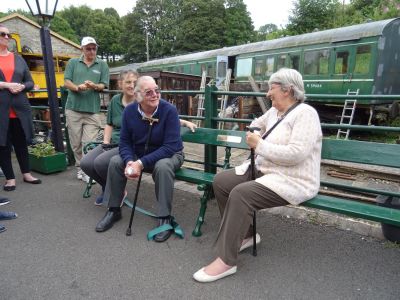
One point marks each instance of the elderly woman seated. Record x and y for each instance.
(287, 171)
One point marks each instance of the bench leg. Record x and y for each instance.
(86, 193)
(203, 206)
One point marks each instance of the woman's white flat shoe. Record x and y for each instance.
(249, 243)
(202, 276)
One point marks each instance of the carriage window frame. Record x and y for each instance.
(281, 61)
(244, 67)
(269, 65)
(258, 66)
(316, 62)
(342, 62)
(294, 61)
(363, 60)
(222, 67)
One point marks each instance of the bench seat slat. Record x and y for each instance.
(194, 176)
(356, 209)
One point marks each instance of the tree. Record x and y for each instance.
(239, 26)
(155, 19)
(62, 27)
(202, 26)
(78, 18)
(310, 15)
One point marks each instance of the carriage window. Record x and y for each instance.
(222, 69)
(316, 62)
(294, 62)
(363, 58)
(191, 69)
(281, 61)
(258, 67)
(342, 62)
(244, 66)
(269, 65)
(210, 70)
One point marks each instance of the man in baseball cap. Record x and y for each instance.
(87, 40)
(85, 77)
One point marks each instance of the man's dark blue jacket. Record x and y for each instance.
(165, 138)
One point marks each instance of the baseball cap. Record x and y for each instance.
(88, 40)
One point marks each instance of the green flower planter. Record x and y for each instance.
(48, 164)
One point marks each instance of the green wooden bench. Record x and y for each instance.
(211, 139)
(369, 153)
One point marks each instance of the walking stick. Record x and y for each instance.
(146, 146)
(253, 177)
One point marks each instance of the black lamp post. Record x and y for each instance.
(45, 9)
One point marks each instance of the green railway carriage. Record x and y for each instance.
(364, 57)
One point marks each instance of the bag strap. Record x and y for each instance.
(150, 235)
(280, 120)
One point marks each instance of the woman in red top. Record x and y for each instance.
(16, 129)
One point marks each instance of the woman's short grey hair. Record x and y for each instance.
(126, 72)
(289, 79)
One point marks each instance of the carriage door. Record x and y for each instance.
(222, 67)
(343, 69)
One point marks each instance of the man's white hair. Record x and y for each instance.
(139, 84)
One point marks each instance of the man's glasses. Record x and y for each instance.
(5, 34)
(91, 49)
(150, 93)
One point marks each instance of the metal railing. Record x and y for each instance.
(211, 119)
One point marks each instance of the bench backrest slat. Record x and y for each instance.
(215, 137)
(362, 152)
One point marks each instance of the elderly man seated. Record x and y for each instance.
(163, 157)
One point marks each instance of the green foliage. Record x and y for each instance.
(203, 26)
(239, 26)
(310, 15)
(157, 19)
(42, 149)
(62, 27)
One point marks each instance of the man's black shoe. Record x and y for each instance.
(163, 236)
(108, 220)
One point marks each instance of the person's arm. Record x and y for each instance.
(126, 144)
(97, 87)
(68, 78)
(75, 87)
(107, 134)
(27, 81)
(188, 124)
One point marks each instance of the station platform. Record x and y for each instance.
(51, 251)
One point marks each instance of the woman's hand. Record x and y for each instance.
(189, 125)
(252, 139)
(15, 88)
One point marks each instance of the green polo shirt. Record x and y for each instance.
(78, 72)
(114, 116)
